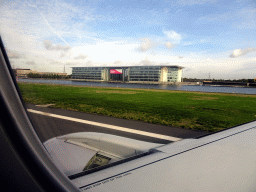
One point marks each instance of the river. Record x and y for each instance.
(214, 89)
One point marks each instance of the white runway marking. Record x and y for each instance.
(144, 133)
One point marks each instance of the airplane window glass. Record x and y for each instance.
(107, 81)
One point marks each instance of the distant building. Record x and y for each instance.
(23, 73)
(52, 73)
(161, 73)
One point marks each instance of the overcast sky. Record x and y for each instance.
(204, 36)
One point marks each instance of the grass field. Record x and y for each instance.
(190, 110)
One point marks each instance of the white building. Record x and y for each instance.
(161, 73)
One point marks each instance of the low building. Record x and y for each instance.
(23, 73)
(161, 73)
(52, 73)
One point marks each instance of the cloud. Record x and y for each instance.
(49, 20)
(240, 52)
(71, 63)
(235, 18)
(89, 62)
(188, 43)
(13, 55)
(30, 63)
(49, 46)
(145, 62)
(247, 16)
(118, 62)
(81, 56)
(62, 55)
(146, 44)
(173, 35)
(56, 63)
(169, 45)
(195, 2)
(187, 69)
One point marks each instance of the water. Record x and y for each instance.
(214, 89)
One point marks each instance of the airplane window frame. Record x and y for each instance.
(20, 132)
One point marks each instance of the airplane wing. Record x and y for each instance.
(224, 161)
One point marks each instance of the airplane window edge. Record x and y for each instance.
(21, 132)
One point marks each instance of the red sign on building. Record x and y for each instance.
(115, 71)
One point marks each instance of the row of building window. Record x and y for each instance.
(87, 73)
(172, 69)
(172, 78)
(87, 77)
(140, 73)
(144, 72)
(173, 72)
(140, 79)
(93, 76)
(144, 76)
(144, 68)
(131, 68)
(87, 68)
(131, 76)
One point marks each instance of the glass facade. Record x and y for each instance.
(91, 73)
(172, 74)
(145, 73)
(130, 74)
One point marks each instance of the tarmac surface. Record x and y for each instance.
(48, 127)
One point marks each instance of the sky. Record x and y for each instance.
(207, 37)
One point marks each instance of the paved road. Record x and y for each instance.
(48, 127)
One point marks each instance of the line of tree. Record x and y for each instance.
(48, 76)
(218, 80)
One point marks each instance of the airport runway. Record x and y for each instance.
(50, 122)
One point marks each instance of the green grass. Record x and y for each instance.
(190, 110)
